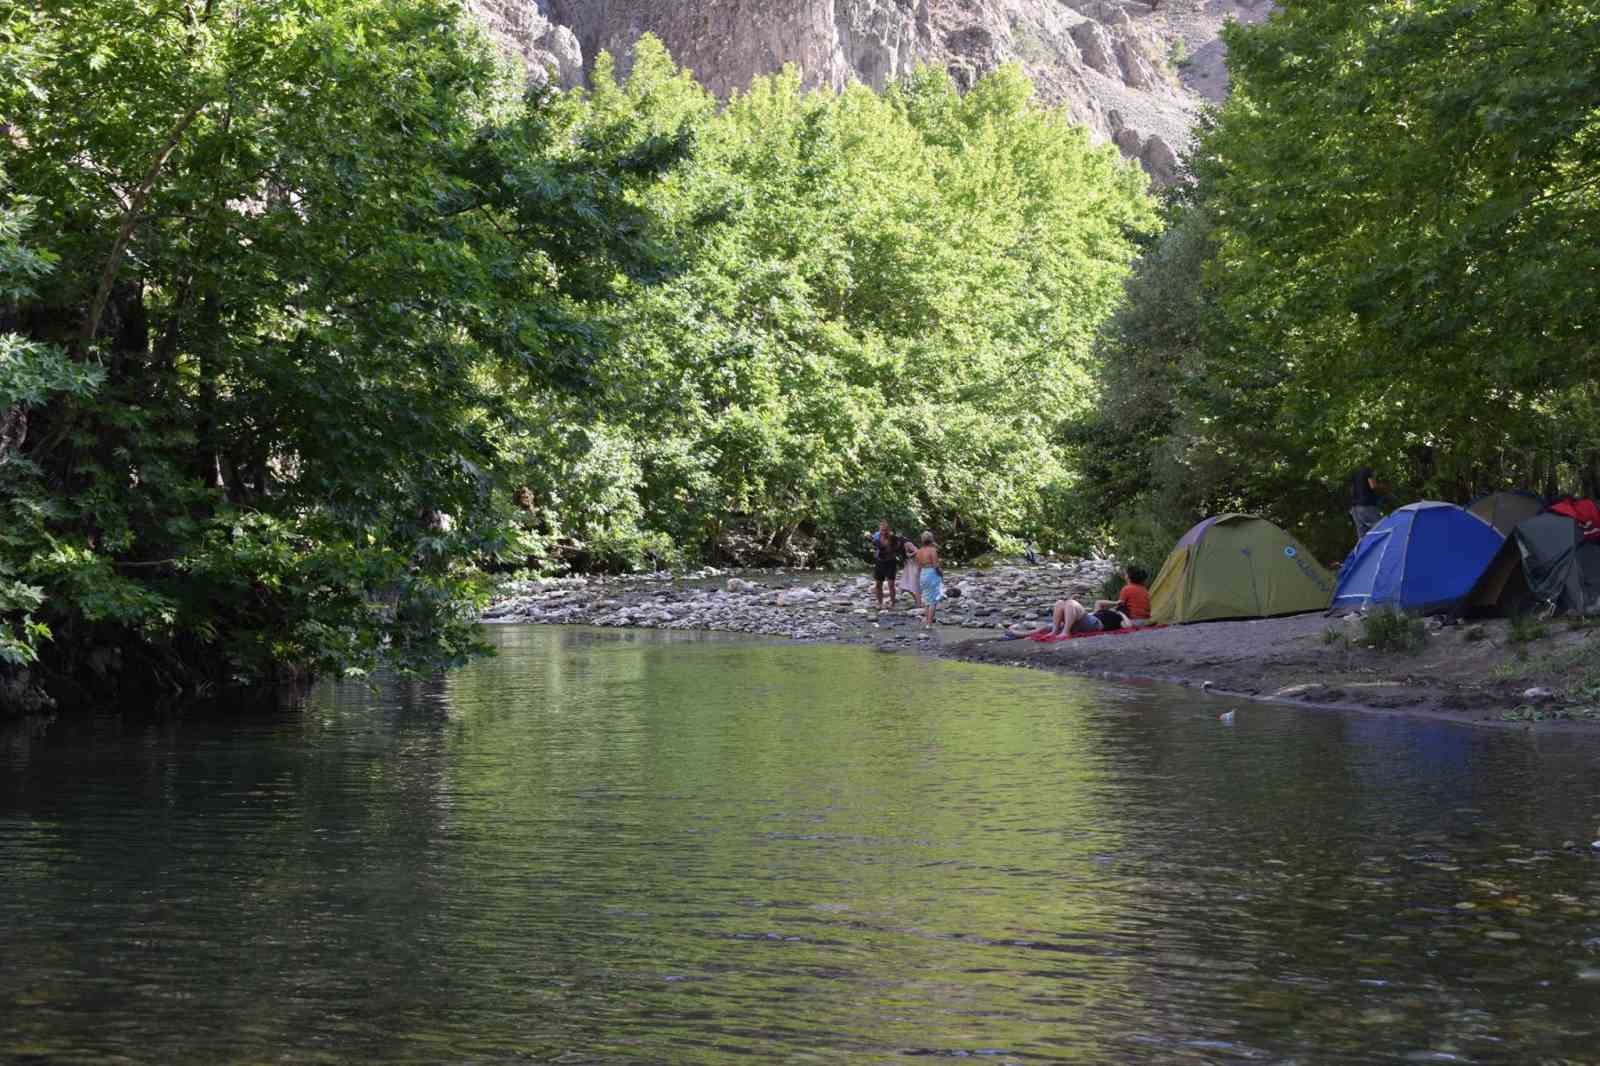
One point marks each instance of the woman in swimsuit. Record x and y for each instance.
(910, 579)
(932, 581)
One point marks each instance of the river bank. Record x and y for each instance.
(1472, 672)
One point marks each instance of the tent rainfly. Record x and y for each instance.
(1544, 564)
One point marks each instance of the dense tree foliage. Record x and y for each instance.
(885, 306)
(310, 256)
(1387, 256)
(312, 315)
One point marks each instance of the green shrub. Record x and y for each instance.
(1526, 628)
(1335, 635)
(1387, 630)
(1528, 713)
(1578, 664)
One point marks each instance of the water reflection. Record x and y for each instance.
(665, 847)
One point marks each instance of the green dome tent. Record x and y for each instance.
(1503, 510)
(1238, 566)
(1545, 562)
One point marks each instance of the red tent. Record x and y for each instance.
(1584, 512)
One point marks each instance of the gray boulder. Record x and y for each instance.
(1159, 160)
(1096, 47)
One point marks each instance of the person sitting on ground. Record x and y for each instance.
(886, 553)
(1133, 602)
(930, 576)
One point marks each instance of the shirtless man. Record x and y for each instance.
(887, 554)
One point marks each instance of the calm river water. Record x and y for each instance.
(607, 846)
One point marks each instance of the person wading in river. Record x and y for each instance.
(887, 554)
(930, 576)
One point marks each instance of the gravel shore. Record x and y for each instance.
(802, 605)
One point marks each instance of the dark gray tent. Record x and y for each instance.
(1544, 563)
(1503, 510)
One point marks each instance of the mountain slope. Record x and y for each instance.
(1133, 72)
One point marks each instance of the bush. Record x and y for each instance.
(1386, 630)
(1526, 628)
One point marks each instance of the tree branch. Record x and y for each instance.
(130, 219)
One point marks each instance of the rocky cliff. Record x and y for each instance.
(1132, 71)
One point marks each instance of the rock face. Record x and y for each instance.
(525, 28)
(1133, 72)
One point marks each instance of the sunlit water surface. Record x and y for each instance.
(642, 847)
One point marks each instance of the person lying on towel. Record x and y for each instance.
(1070, 616)
(1129, 610)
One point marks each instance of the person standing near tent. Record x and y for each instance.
(1364, 501)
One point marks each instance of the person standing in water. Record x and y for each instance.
(931, 579)
(910, 581)
(886, 555)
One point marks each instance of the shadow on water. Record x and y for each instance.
(648, 847)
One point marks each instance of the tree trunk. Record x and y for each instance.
(13, 429)
(130, 219)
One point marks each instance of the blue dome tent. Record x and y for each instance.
(1425, 557)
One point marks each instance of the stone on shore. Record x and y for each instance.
(802, 605)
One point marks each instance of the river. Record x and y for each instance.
(614, 846)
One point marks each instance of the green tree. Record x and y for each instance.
(1382, 259)
(315, 252)
(886, 303)
(1402, 192)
